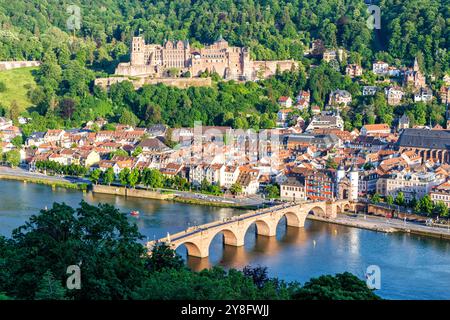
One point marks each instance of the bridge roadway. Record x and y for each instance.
(197, 239)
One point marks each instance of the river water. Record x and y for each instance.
(412, 267)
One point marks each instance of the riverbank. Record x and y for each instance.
(45, 181)
(386, 225)
(182, 197)
(193, 198)
(213, 203)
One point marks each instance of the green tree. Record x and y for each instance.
(99, 237)
(344, 286)
(163, 257)
(133, 177)
(331, 164)
(50, 289)
(128, 118)
(376, 198)
(95, 175)
(13, 158)
(17, 141)
(426, 205)
(400, 199)
(2, 86)
(441, 209)
(389, 200)
(137, 151)
(4, 296)
(236, 188)
(123, 176)
(272, 191)
(109, 176)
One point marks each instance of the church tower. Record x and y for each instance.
(416, 65)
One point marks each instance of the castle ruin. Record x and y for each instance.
(178, 58)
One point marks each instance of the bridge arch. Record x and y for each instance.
(317, 211)
(229, 237)
(292, 219)
(347, 207)
(192, 249)
(263, 227)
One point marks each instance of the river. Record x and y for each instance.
(412, 267)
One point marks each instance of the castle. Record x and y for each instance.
(178, 58)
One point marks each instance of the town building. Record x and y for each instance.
(444, 95)
(5, 123)
(326, 121)
(340, 97)
(413, 185)
(403, 122)
(329, 55)
(380, 129)
(302, 140)
(320, 185)
(429, 144)
(285, 102)
(380, 68)
(423, 95)
(293, 189)
(367, 182)
(394, 95)
(353, 70)
(441, 193)
(369, 90)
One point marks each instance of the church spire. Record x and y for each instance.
(416, 64)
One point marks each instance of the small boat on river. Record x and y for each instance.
(134, 213)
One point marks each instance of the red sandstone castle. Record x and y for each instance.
(158, 61)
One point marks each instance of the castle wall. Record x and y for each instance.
(269, 68)
(8, 65)
(181, 83)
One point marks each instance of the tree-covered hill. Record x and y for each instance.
(271, 28)
(65, 97)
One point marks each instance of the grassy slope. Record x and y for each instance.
(18, 82)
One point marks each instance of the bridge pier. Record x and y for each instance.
(235, 239)
(266, 228)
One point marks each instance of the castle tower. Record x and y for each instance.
(354, 181)
(138, 51)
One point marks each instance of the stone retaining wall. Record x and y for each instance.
(137, 193)
(8, 65)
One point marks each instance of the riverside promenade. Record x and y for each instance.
(382, 224)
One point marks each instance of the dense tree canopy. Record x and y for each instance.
(274, 29)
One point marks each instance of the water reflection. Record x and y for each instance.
(255, 245)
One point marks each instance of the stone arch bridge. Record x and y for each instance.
(198, 239)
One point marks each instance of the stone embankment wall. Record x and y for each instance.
(129, 192)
